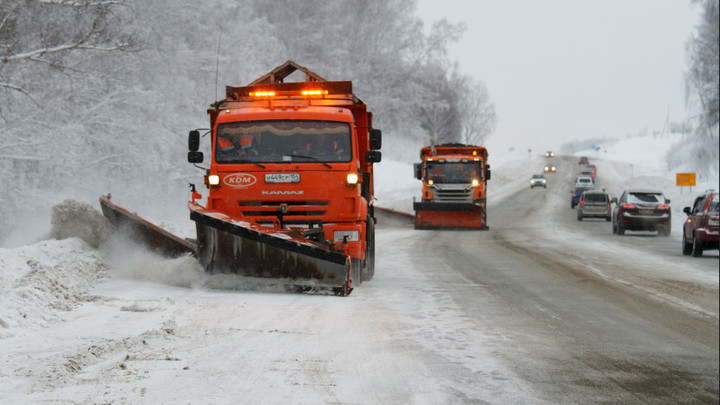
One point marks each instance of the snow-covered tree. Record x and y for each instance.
(700, 152)
(98, 96)
(704, 71)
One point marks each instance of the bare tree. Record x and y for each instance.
(476, 110)
(704, 69)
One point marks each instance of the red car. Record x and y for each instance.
(641, 210)
(700, 231)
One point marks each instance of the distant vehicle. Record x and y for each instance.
(549, 154)
(641, 210)
(584, 181)
(594, 204)
(583, 160)
(592, 168)
(576, 193)
(588, 173)
(538, 180)
(700, 231)
(549, 168)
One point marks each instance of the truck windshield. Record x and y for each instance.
(281, 141)
(453, 172)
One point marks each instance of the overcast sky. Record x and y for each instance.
(559, 70)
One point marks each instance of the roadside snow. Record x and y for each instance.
(41, 282)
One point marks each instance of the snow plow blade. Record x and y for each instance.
(449, 216)
(144, 232)
(247, 249)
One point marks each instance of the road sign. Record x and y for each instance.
(685, 179)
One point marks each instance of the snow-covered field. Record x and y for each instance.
(50, 284)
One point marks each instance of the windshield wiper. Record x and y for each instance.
(248, 161)
(311, 158)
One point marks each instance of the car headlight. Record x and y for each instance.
(475, 182)
(349, 236)
(213, 179)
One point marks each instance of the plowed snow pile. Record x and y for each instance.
(77, 219)
(39, 282)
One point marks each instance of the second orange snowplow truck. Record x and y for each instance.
(454, 178)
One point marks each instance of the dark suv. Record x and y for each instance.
(700, 231)
(641, 210)
(576, 193)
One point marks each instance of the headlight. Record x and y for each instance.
(475, 183)
(352, 178)
(214, 179)
(340, 236)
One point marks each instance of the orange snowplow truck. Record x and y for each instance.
(454, 178)
(290, 183)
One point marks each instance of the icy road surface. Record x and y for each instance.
(539, 309)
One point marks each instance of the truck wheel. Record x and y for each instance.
(697, 250)
(686, 247)
(369, 269)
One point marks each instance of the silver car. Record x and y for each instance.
(594, 204)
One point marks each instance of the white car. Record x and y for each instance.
(584, 181)
(538, 180)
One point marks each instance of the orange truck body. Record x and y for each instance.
(454, 187)
(281, 186)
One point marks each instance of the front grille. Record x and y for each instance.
(295, 208)
(453, 195)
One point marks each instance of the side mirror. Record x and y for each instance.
(418, 170)
(667, 201)
(373, 156)
(194, 142)
(687, 210)
(487, 172)
(613, 200)
(375, 139)
(195, 157)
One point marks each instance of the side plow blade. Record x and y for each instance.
(226, 246)
(144, 232)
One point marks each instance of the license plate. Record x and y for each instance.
(646, 212)
(282, 178)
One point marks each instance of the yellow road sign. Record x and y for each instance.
(685, 179)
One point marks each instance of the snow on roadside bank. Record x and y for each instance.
(40, 281)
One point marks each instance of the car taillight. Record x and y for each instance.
(664, 207)
(628, 206)
(581, 202)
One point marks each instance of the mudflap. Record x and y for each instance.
(450, 216)
(247, 249)
(144, 232)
